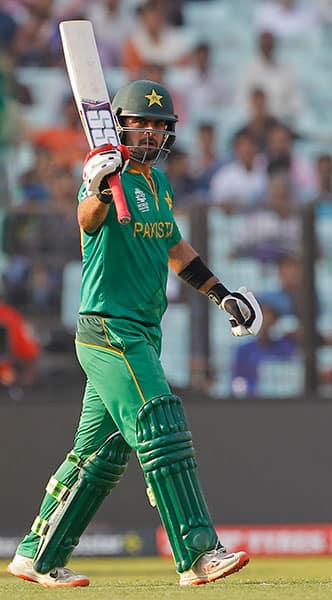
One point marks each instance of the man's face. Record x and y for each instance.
(245, 149)
(147, 139)
(258, 103)
(266, 43)
(279, 141)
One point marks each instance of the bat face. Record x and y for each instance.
(91, 97)
(98, 120)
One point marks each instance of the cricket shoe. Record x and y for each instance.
(212, 566)
(60, 577)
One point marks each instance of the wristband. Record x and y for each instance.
(105, 198)
(196, 273)
(217, 293)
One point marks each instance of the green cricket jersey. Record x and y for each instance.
(125, 266)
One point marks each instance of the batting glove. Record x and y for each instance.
(100, 164)
(246, 314)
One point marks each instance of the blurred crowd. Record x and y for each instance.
(247, 140)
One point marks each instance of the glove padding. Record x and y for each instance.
(246, 314)
(100, 164)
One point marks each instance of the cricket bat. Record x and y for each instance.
(91, 96)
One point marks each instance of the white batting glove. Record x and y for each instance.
(246, 314)
(102, 163)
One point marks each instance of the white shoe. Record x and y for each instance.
(214, 565)
(60, 577)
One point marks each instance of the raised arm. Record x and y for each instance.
(91, 213)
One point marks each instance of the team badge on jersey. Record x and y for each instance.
(142, 203)
(169, 200)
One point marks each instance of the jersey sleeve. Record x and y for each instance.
(176, 237)
(82, 193)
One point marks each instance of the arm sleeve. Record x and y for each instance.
(82, 193)
(176, 237)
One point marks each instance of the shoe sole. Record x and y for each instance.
(243, 561)
(77, 583)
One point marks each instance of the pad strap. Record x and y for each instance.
(57, 489)
(40, 526)
(74, 459)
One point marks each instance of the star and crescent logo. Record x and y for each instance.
(169, 200)
(154, 98)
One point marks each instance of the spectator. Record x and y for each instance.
(266, 347)
(240, 184)
(66, 142)
(288, 296)
(8, 29)
(34, 183)
(112, 22)
(32, 43)
(324, 178)
(154, 38)
(204, 160)
(273, 231)
(277, 80)
(260, 119)
(36, 258)
(287, 299)
(283, 159)
(62, 223)
(13, 125)
(179, 173)
(19, 351)
(15, 89)
(286, 17)
(201, 84)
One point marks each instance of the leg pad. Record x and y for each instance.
(98, 475)
(167, 458)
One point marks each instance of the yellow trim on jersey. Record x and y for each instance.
(121, 354)
(150, 183)
(153, 188)
(136, 171)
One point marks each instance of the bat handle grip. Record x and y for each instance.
(119, 199)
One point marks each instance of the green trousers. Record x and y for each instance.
(121, 362)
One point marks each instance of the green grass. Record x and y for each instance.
(155, 578)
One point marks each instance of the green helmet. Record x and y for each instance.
(146, 99)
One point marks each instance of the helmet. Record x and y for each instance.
(144, 98)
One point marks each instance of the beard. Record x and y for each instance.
(143, 153)
(146, 151)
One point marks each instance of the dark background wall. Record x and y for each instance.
(260, 462)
